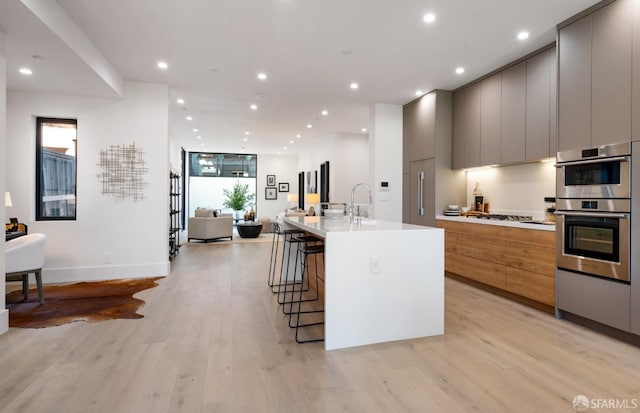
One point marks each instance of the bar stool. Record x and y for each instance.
(308, 248)
(278, 231)
(284, 281)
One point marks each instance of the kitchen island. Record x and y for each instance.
(384, 281)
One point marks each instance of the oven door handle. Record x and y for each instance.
(594, 214)
(592, 161)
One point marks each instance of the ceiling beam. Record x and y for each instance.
(61, 24)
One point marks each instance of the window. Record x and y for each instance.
(56, 169)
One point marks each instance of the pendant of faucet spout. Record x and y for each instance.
(353, 192)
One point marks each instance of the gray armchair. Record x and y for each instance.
(206, 227)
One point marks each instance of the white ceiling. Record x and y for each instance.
(215, 49)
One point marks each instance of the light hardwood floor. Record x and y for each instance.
(213, 340)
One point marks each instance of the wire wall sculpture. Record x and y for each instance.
(123, 170)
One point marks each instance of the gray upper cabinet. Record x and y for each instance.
(595, 78)
(466, 127)
(540, 81)
(508, 117)
(611, 73)
(490, 119)
(574, 85)
(418, 124)
(514, 89)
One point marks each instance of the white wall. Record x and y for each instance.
(348, 156)
(385, 148)
(111, 238)
(207, 192)
(518, 189)
(285, 168)
(4, 315)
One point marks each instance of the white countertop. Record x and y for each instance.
(514, 224)
(320, 226)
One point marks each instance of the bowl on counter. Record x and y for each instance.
(465, 210)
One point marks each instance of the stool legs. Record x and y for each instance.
(306, 251)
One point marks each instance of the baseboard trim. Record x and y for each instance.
(105, 272)
(4, 321)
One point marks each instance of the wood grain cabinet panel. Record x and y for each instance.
(539, 259)
(520, 261)
(531, 285)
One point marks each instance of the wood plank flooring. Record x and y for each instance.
(213, 340)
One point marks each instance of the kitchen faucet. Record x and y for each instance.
(353, 191)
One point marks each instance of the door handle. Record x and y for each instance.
(421, 193)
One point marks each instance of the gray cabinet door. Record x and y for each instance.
(513, 113)
(408, 114)
(553, 102)
(574, 85)
(418, 129)
(538, 110)
(422, 190)
(406, 198)
(611, 73)
(466, 127)
(490, 119)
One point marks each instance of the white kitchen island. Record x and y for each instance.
(384, 281)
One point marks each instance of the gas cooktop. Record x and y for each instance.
(501, 217)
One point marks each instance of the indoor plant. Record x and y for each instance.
(237, 197)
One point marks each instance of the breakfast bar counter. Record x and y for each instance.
(384, 281)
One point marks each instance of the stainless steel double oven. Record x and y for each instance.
(593, 208)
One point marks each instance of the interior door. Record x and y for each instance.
(422, 190)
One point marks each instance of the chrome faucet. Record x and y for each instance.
(353, 192)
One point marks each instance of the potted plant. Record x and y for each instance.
(238, 197)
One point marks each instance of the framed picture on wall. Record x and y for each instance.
(270, 193)
(283, 187)
(271, 180)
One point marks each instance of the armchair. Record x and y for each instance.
(206, 227)
(25, 255)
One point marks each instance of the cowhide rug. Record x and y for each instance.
(86, 301)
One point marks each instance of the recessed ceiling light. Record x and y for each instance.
(278, 153)
(198, 137)
(459, 70)
(291, 142)
(364, 129)
(180, 101)
(195, 129)
(284, 148)
(245, 139)
(523, 35)
(354, 86)
(262, 76)
(163, 65)
(25, 71)
(309, 126)
(419, 93)
(298, 136)
(246, 133)
(254, 107)
(202, 144)
(429, 18)
(325, 112)
(189, 118)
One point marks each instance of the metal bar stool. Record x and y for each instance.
(306, 249)
(285, 282)
(278, 231)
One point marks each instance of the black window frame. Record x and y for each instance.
(39, 122)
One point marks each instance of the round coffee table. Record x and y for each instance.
(249, 229)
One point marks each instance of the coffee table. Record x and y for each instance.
(249, 229)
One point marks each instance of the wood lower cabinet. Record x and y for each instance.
(519, 261)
